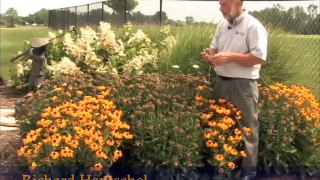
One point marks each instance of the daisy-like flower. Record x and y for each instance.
(195, 66)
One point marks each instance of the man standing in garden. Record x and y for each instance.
(236, 53)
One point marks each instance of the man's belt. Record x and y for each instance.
(232, 78)
(227, 78)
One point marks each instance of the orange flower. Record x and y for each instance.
(101, 88)
(54, 155)
(33, 166)
(222, 101)
(212, 124)
(27, 140)
(234, 152)
(74, 143)
(53, 129)
(207, 116)
(58, 89)
(45, 115)
(79, 93)
(209, 143)
(199, 103)
(214, 133)
(199, 98)
(22, 151)
(54, 98)
(231, 165)
(219, 157)
(110, 143)
(243, 154)
(247, 130)
(98, 167)
(67, 93)
(201, 88)
(117, 153)
(128, 136)
(207, 135)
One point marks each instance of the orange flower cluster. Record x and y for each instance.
(299, 97)
(89, 128)
(222, 135)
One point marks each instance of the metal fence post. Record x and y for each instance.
(88, 14)
(102, 12)
(68, 16)
(160, 18)
(76, 17)
(125, 11)
(49, 19)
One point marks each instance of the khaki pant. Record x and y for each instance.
(244, 94)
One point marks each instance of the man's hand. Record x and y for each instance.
(207, 55)
(220, 58)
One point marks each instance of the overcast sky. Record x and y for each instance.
(178, 10)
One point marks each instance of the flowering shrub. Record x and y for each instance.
(174, 124)
(165, 121)
(20, 73)
(223, 136)
(64, 67)
(139, 54)
(86, 132)
(289, 125)
(28, 110)
(100, 52)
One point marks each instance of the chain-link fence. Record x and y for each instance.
(293, 26)
(285, 14)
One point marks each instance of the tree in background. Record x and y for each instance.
(118, 5)
(39, 17)
(312, 26)
(312, 10)
(190, 20)
(42, 16)
(295, 19)
(12, 16)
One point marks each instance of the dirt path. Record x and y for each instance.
(10, 140)
(8, 97)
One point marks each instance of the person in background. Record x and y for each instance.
(39, 62)
(236, 53)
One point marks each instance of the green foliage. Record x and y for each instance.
(190, 41)
(224, 137)
(2, 22)
(12, 15)
(40, 17)
(166, 124)
(276, 68)
(289, 126)
(119, 5)
(295, 19)
(20, 74)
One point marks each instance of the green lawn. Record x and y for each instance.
(12, 41)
